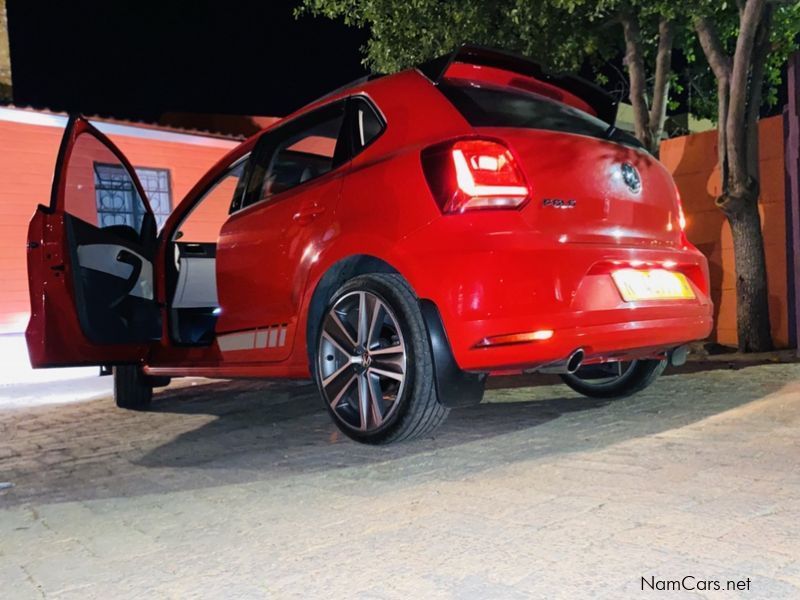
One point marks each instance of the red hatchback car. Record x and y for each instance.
(398, 241)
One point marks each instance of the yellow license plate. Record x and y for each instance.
(657, 284)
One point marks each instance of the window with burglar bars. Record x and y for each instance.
(158, 190)
(118, 202)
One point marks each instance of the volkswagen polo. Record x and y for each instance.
(397, 241)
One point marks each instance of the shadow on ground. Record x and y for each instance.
(243, 431)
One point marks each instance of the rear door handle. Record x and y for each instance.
(308, 213)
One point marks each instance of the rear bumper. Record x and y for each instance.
(609, 341)
(488, 286)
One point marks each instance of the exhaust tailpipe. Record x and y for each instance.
(567, 366)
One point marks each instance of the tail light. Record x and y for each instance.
(681, 215)
(681, 218)
(474, 174)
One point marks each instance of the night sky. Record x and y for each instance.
(139, 59)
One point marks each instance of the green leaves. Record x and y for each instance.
(403, 33)
(561, 34)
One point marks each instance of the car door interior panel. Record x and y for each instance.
(113, 285)
(120, 262)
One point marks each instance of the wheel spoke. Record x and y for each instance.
(375, 318)
(390, 374)
(363, 400)
(332, 340)
(363, 319)
(330, 378)
(389, 351)
(391, 362)
(617, 371)
(376, 399)
(337, 332)
(338, 385)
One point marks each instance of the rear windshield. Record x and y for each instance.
(489, 106)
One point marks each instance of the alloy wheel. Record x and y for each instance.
(362, 359)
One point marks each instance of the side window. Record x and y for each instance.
(296, 153)
(204, 221)
(368, 124)
(99, 189)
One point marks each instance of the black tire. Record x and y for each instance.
(132, 390)
(416, 410)
(639, 376)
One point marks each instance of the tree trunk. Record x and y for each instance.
(741, 71)
(634, 60)
(752, 298)
(658, 108)
(738, 85)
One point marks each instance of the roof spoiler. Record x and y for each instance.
(603, 103)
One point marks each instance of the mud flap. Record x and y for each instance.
(454, 387)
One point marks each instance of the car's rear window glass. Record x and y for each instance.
(490, 106)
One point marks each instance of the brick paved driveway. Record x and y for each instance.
(245, 490)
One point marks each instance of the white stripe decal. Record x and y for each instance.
(261, 339)
(252, 339)
(244, 340)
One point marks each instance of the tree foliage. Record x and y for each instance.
(699, 79)
(404, 33)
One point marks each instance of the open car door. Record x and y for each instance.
(90, 259)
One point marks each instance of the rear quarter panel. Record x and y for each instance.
(384, 196)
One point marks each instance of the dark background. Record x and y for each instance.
(140, 59)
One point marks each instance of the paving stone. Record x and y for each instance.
(246, 490)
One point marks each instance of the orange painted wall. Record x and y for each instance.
(692, 160)
(27, 158)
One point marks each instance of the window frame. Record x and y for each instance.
(199, 198)
(352, 124)
(269, 142)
